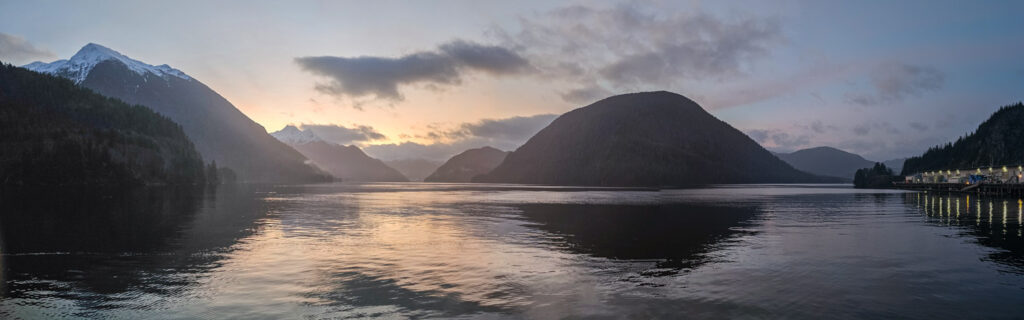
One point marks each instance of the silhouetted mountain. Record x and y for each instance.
(220, 132)
(53, 132)
(468, 164)
(347, 163)
(826, 161)
(415, 169)
(642, 139)
(997, 141)
(896, 165)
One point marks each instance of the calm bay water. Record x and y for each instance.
(497, 251)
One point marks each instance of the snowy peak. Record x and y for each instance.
(78, 67)
(293, 135)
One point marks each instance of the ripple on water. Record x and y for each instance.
(465, 250)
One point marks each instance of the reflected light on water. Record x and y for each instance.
(497, 251)
(957, 209)
(991, 212)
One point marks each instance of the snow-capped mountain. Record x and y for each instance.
(348, 163)
(219, 131)
(78, 67)
(293, 135)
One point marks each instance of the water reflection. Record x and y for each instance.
(94, 246)
(419, 250)
(993, 221)
(674, 235)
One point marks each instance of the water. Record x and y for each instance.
(498, 251)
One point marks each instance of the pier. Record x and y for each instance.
(992, 180)
(981, 188)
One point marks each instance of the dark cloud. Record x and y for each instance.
(15, 49)
(491, 59)
(895, 82)
(505, 134)
(513, 129)
(658, 50)
(382, 77)
(344, 135)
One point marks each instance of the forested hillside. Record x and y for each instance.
(997, 141)
(53, 132)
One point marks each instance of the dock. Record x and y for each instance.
(983, 188)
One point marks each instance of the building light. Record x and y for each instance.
(1004, 169)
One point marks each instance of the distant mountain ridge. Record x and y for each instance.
(896, 165)
(468, 164)
(348, 163)
(416, 169)
(219, 131)
(642, 139)
(826, 161)
(997, 141)
(53, 132)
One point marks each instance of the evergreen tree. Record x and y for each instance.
(53, 132)
(877, 177)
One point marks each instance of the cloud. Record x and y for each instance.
(585, 94)
(16, 49)
(491, 59)
(344, 135)
(505, 134)
(888, 147)
(861, 130)
(820, 127)
(895, 82)
(713, 49)
(883, 126)
(587, 53)
(779, 140)
(513, 129)
(632, 46)
(918, 126)
(383, 77)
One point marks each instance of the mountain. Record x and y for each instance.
(826, 161)
(997, 141)
(642, 139)
(347, 163)
(220, 132)
(468, 164)
(896, 165)
(416, 169)
(53, 132)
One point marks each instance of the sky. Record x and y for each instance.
(405, 79)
